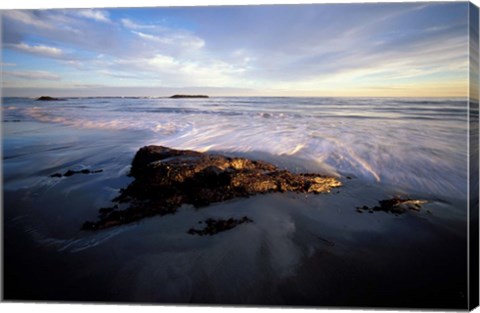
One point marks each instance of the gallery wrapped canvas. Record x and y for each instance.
(303, 155)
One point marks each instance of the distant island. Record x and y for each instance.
(47, 98)
(188, 96)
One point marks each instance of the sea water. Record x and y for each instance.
(300, 250)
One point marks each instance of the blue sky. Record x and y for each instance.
(390, 49)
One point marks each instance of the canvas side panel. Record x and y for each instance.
(473, 145)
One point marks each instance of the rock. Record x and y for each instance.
(104, 211)
(167, 178)
(71, 173)
(396, 206)
(215, 226)
(188, 96)
(47, 98)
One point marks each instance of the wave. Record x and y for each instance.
(104, 122)
(380, 140)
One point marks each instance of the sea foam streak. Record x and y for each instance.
(415, 144)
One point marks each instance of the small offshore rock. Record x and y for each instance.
(188, 96)
(48, 98)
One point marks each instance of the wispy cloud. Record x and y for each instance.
(120, 74)
(147, 36)
(133, 25)
(170, 71)
(97, 15)
(33, 75)
(37, 49)
(26, 17)
(178, 38)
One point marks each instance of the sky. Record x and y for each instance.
(386, 49)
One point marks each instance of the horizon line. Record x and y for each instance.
(238, 96)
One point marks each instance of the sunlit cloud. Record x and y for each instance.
(171, 72)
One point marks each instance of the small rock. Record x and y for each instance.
(396, 206)
(71, 173)
(48, 98)
(215, 226)
(188, 96)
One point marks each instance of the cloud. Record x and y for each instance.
(378, 48)
(88, 85)
(7, 64)
(81, 33)
(177, 38)
(38, 49)
(121, 75)
(127, 23)
(171, 71)
(74, 63)
(32, 75)
(147, 36)
(27, 17)
(96, 15)
(296, 47)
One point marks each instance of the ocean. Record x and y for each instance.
(307, 250)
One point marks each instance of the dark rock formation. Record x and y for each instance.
(167, 178)
(188, 96)
(70, 173)
(395, 206)
(47, 98)
(215, 226)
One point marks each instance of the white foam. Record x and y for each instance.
(379, 143)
